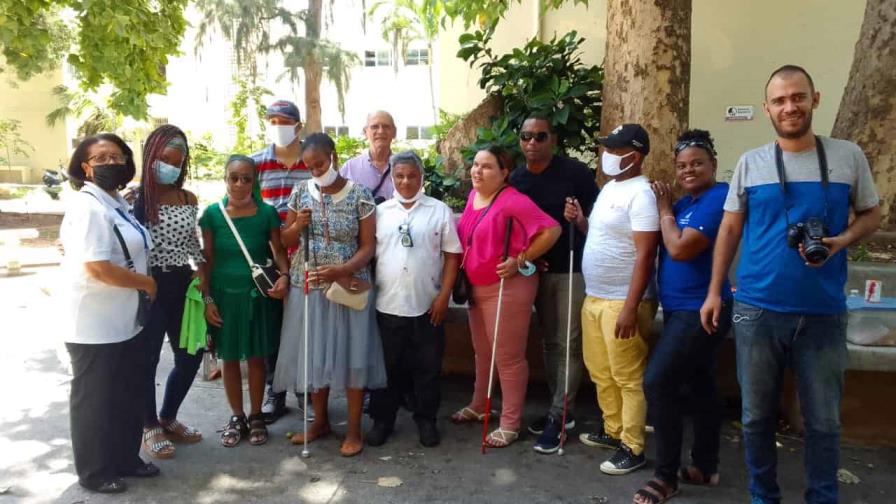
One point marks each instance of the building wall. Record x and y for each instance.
(735, 45)
(29, 102)
(202, 86)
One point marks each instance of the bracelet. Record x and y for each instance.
(208, 300)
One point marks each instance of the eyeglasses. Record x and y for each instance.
(105, 158)
(539, 137)
(246, 179)
(405, 231)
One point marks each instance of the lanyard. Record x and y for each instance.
(135, 226)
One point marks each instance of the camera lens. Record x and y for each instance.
(815, 251)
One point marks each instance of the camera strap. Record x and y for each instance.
(822, 169)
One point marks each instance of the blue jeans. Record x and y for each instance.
(685, 356)
(165, 318)
(814, 347)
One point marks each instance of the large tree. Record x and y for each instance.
(122, 43)
(867, 112)
(647, 70)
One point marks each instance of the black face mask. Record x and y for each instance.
(111, 176)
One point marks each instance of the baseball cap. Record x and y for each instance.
(627, 135)
(284, 108)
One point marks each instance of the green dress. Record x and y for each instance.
(251, 325)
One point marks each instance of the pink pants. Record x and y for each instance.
(513, 333)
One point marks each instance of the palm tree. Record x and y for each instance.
(410, 20)
(95, 117)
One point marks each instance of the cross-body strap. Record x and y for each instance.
(121, 242)
(382, 179)
(236, 234)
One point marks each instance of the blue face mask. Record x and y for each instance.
(166, 174)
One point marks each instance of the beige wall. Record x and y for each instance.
(735, 45)
(29, 102)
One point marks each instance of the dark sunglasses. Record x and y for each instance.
(539, 137)
(246, 179)
(405, 231)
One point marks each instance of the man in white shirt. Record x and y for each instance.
(417, 256)
(617, 264)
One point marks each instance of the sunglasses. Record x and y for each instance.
(246, 179)
(102, 159)
(405, 231)
(539, 137)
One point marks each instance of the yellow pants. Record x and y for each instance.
(617, 367)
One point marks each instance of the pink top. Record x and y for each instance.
(482, 257)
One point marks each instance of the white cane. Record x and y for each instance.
(491, 369)
(305, 452)
(572, 242)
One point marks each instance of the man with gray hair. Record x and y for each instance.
(371, 169)
(417, 257)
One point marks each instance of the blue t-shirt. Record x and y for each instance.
(683, 284)
(770, 274)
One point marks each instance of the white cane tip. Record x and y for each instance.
(306, 454)
(560, 451)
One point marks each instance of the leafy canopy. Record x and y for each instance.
(488, 12)
(123, 43)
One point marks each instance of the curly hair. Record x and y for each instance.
(696, 138)
(76, 173)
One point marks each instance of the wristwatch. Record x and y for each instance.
(208, 300)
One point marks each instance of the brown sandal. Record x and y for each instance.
(258, 431)
(299, 437)
(350, 449)
(655, 491)
(180, 433)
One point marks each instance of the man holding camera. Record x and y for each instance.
(789, 202)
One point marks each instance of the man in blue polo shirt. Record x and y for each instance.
(790, 309)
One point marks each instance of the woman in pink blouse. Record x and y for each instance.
(481, 229)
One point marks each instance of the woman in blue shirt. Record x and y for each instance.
(685, 354)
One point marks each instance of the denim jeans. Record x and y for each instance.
(165, 317)
(685, 356)
(814, 347)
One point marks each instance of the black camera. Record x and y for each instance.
(809, 233)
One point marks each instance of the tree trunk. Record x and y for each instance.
(463, 133)
(867, 114)
(313, 74)
(647, 74)
(313, 70)
(432, 88)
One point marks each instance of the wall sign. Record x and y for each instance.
(739, 113)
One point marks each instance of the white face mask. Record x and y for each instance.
(609, 163)
(327, 178)
(402, 199)
(281, 135)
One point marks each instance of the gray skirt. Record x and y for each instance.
(346, 350)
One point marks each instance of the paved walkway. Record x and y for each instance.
(36, 463)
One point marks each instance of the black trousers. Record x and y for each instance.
(413, 348)
(105, 408)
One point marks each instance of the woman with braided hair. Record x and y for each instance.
(169, 212)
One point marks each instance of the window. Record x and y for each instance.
(417, 57)
(381, 57)
(419, 133)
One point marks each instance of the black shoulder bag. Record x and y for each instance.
(379, 199)
(463, 289)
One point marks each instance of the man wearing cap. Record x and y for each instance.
(371, 168)
(619, 306)
(549, 179)
(279, 167)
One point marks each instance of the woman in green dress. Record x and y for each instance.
(243, 323)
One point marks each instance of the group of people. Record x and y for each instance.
(361, 265)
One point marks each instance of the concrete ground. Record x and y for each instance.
(36, 460)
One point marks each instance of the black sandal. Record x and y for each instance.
(234, 431)
(655, 491)
(258, 431)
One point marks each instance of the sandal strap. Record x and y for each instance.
(179, 428)
(506, 436)
(656, 491)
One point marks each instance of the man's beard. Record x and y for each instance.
(799, 133)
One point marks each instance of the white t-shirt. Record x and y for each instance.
(609, 257)
(408, 279)
(96, 312)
